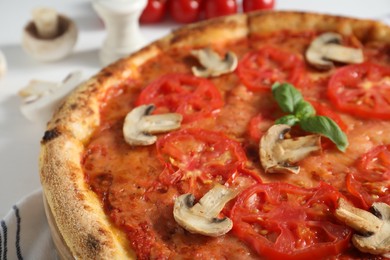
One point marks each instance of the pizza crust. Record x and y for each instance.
(265, 23)
(77, 211)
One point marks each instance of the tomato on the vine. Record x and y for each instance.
(154, 11)
(252, 5)
(215, 8)
(283, 221)
(185, 11)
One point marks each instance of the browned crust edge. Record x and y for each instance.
(76, 209)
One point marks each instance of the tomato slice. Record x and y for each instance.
(258, 126)
(259, 69)
(375, 164)
(361, 90)
(283, 221)
(193, 97)
(371, 180)
(200, 155)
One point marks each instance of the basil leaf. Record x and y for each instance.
(287, 120)
(286, 96)
(327, 127)
(304, 109)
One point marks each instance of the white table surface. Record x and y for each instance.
(19, 138)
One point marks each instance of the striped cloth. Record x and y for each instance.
(24, 232)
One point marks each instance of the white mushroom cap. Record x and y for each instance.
(326, 48)
(41, 98)
(277, 154)
(202, 218)
(139, 125)
(50, 49)
(213, 64)
(375, 229)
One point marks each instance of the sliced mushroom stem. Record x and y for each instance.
(154, 124)
(327, 48)
(202, 218)
(214, 201)
(213, 64)
(343, 54)
(277, 153)
(139, 125)
(42, 98)
(357, 219)
(295, 149)
(375, 230)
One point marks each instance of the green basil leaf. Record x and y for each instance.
(287, 120)
(304, 109)
(327, 127)
(286, 96)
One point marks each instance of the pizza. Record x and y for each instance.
(253, 136)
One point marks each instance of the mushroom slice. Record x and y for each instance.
(202, 218)
(41, 98)
(277, 154)
(375, 229)
(327, 48)
(140, 126)
(213, 65)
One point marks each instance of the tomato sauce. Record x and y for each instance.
(128, 179)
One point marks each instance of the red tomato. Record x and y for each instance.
(252, 5)
(283, 221)
(154, 11)
(258, 70)
(191, 96)
(199, 155)
(356, 193)
(215, 8)
(258, 125)
(323, 109)
(184, 11)
(371, 180)
(375, 164)
(362, 90)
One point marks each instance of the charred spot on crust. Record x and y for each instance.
(73, 106)
(92, 243)
(50, 135)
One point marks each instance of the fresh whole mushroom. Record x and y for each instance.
(213, 64)
(140, 125)
(202, 218)
(374, 228)
(327, 48)
(49, 36)
(278, 154)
